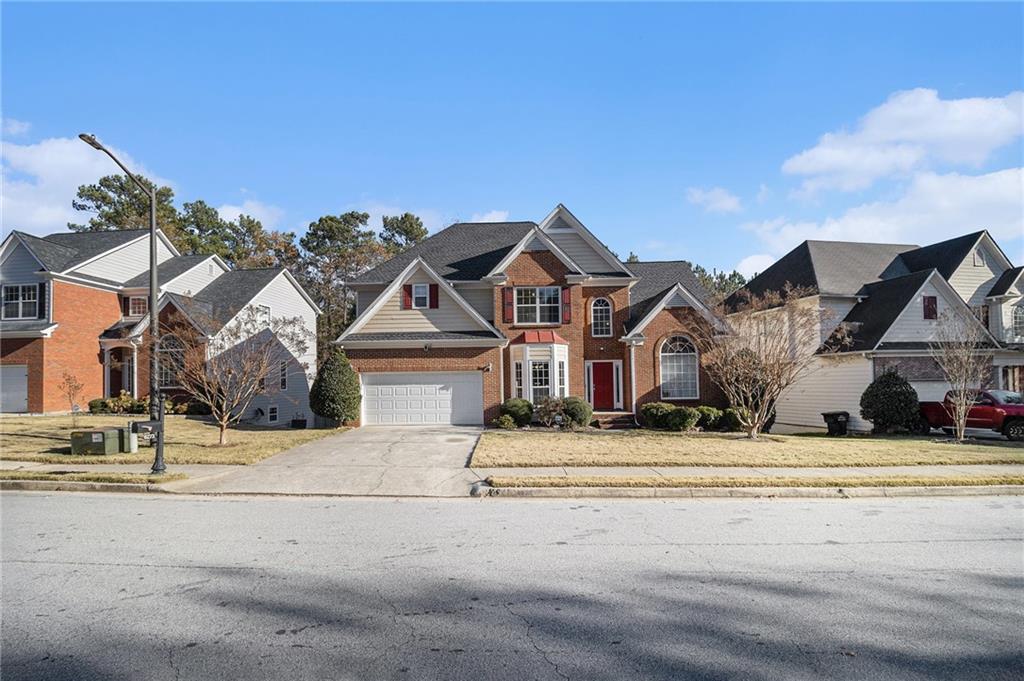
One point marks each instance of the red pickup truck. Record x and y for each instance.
(998, 410)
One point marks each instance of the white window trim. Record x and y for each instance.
(425, 295)
(144, 299)
(661, 370)
(21, 301)
(611, 315)
(617, 401)
(536, 305)
(517, 379)
(537, 397)
(1017, 320)
(273, 414)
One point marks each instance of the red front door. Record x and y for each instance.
(603, 377)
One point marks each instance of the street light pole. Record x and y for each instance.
(155, 399)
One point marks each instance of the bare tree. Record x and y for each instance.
(227, 369)
(770, 342)
(71, 388)
(963, 350)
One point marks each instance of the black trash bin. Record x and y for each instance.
(836, 422)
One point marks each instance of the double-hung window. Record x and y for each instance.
(137, 306)
(21, 301)
(539, 305)
(420, 296)
(519, 379)
(561, 379)
(540, 380)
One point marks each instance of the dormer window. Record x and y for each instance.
(420, 296)
(138, 306)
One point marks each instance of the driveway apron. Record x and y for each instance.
(400, 461)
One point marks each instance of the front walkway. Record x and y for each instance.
(427, 461)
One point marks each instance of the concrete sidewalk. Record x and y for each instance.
(754, 472)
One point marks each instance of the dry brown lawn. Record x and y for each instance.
(47, 439)
(647, 448)
(670, 481)
(74, 476)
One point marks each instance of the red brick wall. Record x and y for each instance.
(31, 352)
(437, 359)
(82, 313)
(667, 323)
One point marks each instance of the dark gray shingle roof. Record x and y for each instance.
(229, 293)
(1005, 281)
(465, 251)
(168, 270)
(872, 317)
(89, 244)
(656, 278)
(944, 256)
(50, 254)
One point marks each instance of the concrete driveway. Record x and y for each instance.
(404, 461)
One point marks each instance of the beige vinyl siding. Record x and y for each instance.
(911, 324)
(196, 279)
(835, 311)
(125, 262)
(577, 248)
(480, 299)
(285, 301)
(365, 298)
(974, 282)
(836, 384)
(20, 267)
(447, 317)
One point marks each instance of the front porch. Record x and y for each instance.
(120, 369)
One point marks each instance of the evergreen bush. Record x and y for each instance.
(519, 409)
(654, 414)
(709, 417)
(891, 404)
(578, 411)
(335, 392)
(681, 419)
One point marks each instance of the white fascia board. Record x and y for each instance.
(385, 295)
(39, 333)
(587, 235)
(83, 282)
(695, 303)
(468, 343)
(535, 233)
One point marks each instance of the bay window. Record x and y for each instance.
(540, 380)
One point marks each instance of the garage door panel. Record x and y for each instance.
(423, 398)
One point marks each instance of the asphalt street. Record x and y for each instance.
(143, 587)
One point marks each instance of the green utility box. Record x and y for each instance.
(105, 441)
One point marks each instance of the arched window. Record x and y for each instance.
(600, 318)
(172, 360)
(679, 369)
(1018, 320)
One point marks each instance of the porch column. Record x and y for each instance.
(106, 372)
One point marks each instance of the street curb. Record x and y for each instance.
(751, 492)
(77, 486)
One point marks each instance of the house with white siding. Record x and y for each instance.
(78, 304)
(891, 299)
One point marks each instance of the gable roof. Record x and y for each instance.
(465, 251)
(228, 294)
(635, 331)
(945, 256)
(562, 214)
(1007, 280)
(869, 319)
(62, 251)
(535, 234)
(656, 278)
(50, 255)
(167, 270)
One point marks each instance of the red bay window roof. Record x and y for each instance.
(540, 336)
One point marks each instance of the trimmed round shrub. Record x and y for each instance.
(578, 411)
(655, 413)
(708, 417)
(335, 392)
(891, 404)
(519, 409)
(730, 421)
(505, 422)
(99, 406)
(681, 419)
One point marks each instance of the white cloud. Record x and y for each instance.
(490, 216)
(763, 193)
(754, 264)
(270, 216)
(40, 180)
(714, 200)
(14, 128)
(934, 207)
(912, 130)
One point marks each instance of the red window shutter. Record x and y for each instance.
(931, 307)
(566, 306)
(508, 305)
(407, 297)
(433, 296)
(124, 306)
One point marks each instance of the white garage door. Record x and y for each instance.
(14, 388)
(423, 398)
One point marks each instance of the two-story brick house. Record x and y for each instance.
(77, 303)
(481, 312)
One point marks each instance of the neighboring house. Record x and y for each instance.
(891, 297)
(78, 303)
(481, 312)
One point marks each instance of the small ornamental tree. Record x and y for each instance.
(71, 388)
(963, 350)
(891, 404)
(335, 393)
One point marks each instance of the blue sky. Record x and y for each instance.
(724, 134)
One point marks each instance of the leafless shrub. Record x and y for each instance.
(963, 350)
